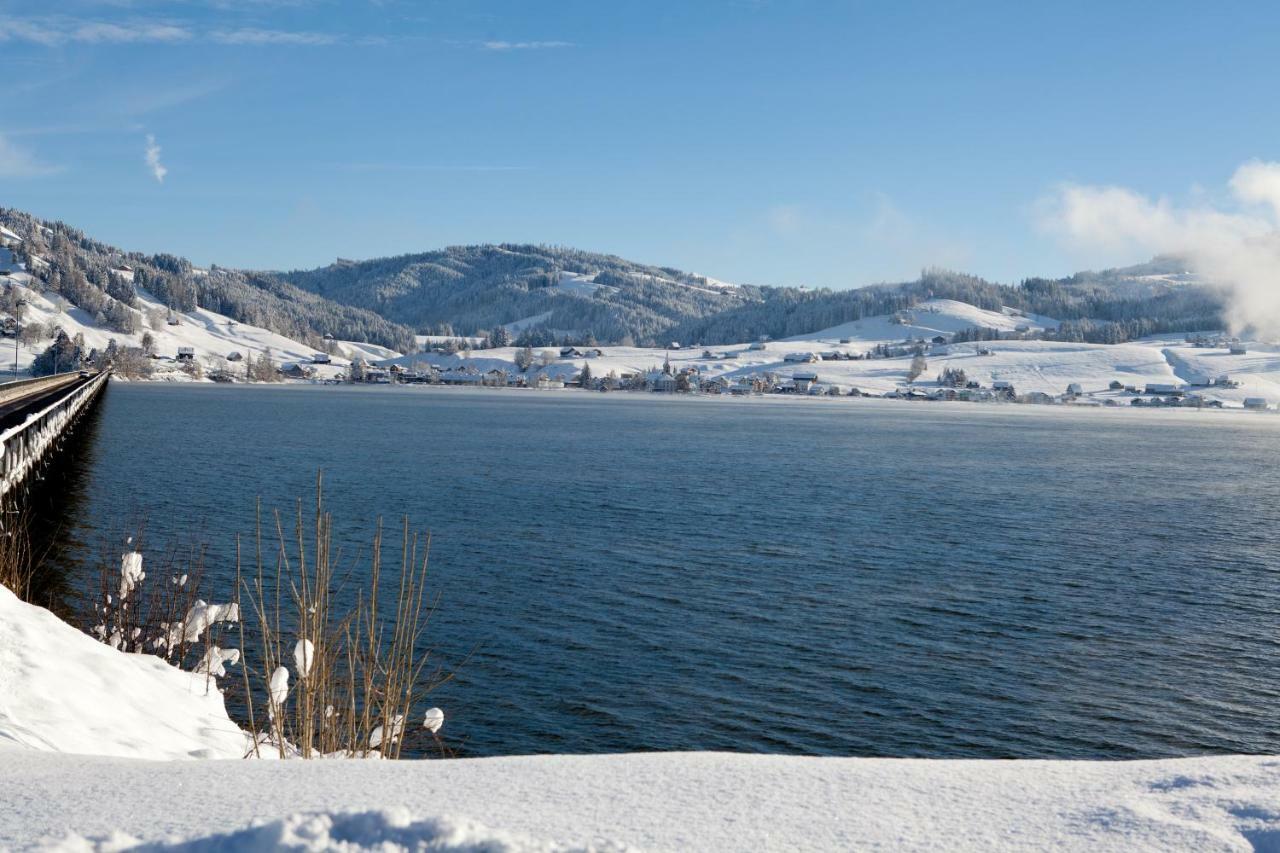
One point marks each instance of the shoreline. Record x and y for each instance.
(680, 398)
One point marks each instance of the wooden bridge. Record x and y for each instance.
(34, 415)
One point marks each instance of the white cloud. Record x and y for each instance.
(526, 45)
(1237, 247)
(158, 171)
(16, 162)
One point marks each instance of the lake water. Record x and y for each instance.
(626, 572)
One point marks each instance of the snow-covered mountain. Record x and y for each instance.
(211, 337)
(103, 281)
(561, 291)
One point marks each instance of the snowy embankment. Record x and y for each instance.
(62, 691)
(63, 694)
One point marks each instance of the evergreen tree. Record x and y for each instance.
(61, 356)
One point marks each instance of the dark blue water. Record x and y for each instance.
(848, 578)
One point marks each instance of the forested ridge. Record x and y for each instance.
(554, 293)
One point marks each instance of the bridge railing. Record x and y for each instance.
(23, 445)
(10, 391)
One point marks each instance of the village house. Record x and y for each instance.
(320, 358)
(1255, 404)
(462, 376)
(802, 357)
(1238, 349)
(8, 239)
(804, 380)
(716, 385)
(186, 354)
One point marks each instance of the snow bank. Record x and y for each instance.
(63, 694)
(671, 801)
(61, 691)
(384, 831)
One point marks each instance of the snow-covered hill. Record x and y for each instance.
(210, 335)
(930, 318)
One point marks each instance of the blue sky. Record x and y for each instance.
(827, 144)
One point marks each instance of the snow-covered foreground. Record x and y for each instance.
(63, 695)
(672, 801)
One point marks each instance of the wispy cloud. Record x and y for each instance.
(525, 45)
(57, 31)
(254, 36)
(152, 154)
(17, 162)
(143, 100)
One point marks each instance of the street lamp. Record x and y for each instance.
(17, 331)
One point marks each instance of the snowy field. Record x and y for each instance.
(1030, 365)
(1044, 366)
(101, 750)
